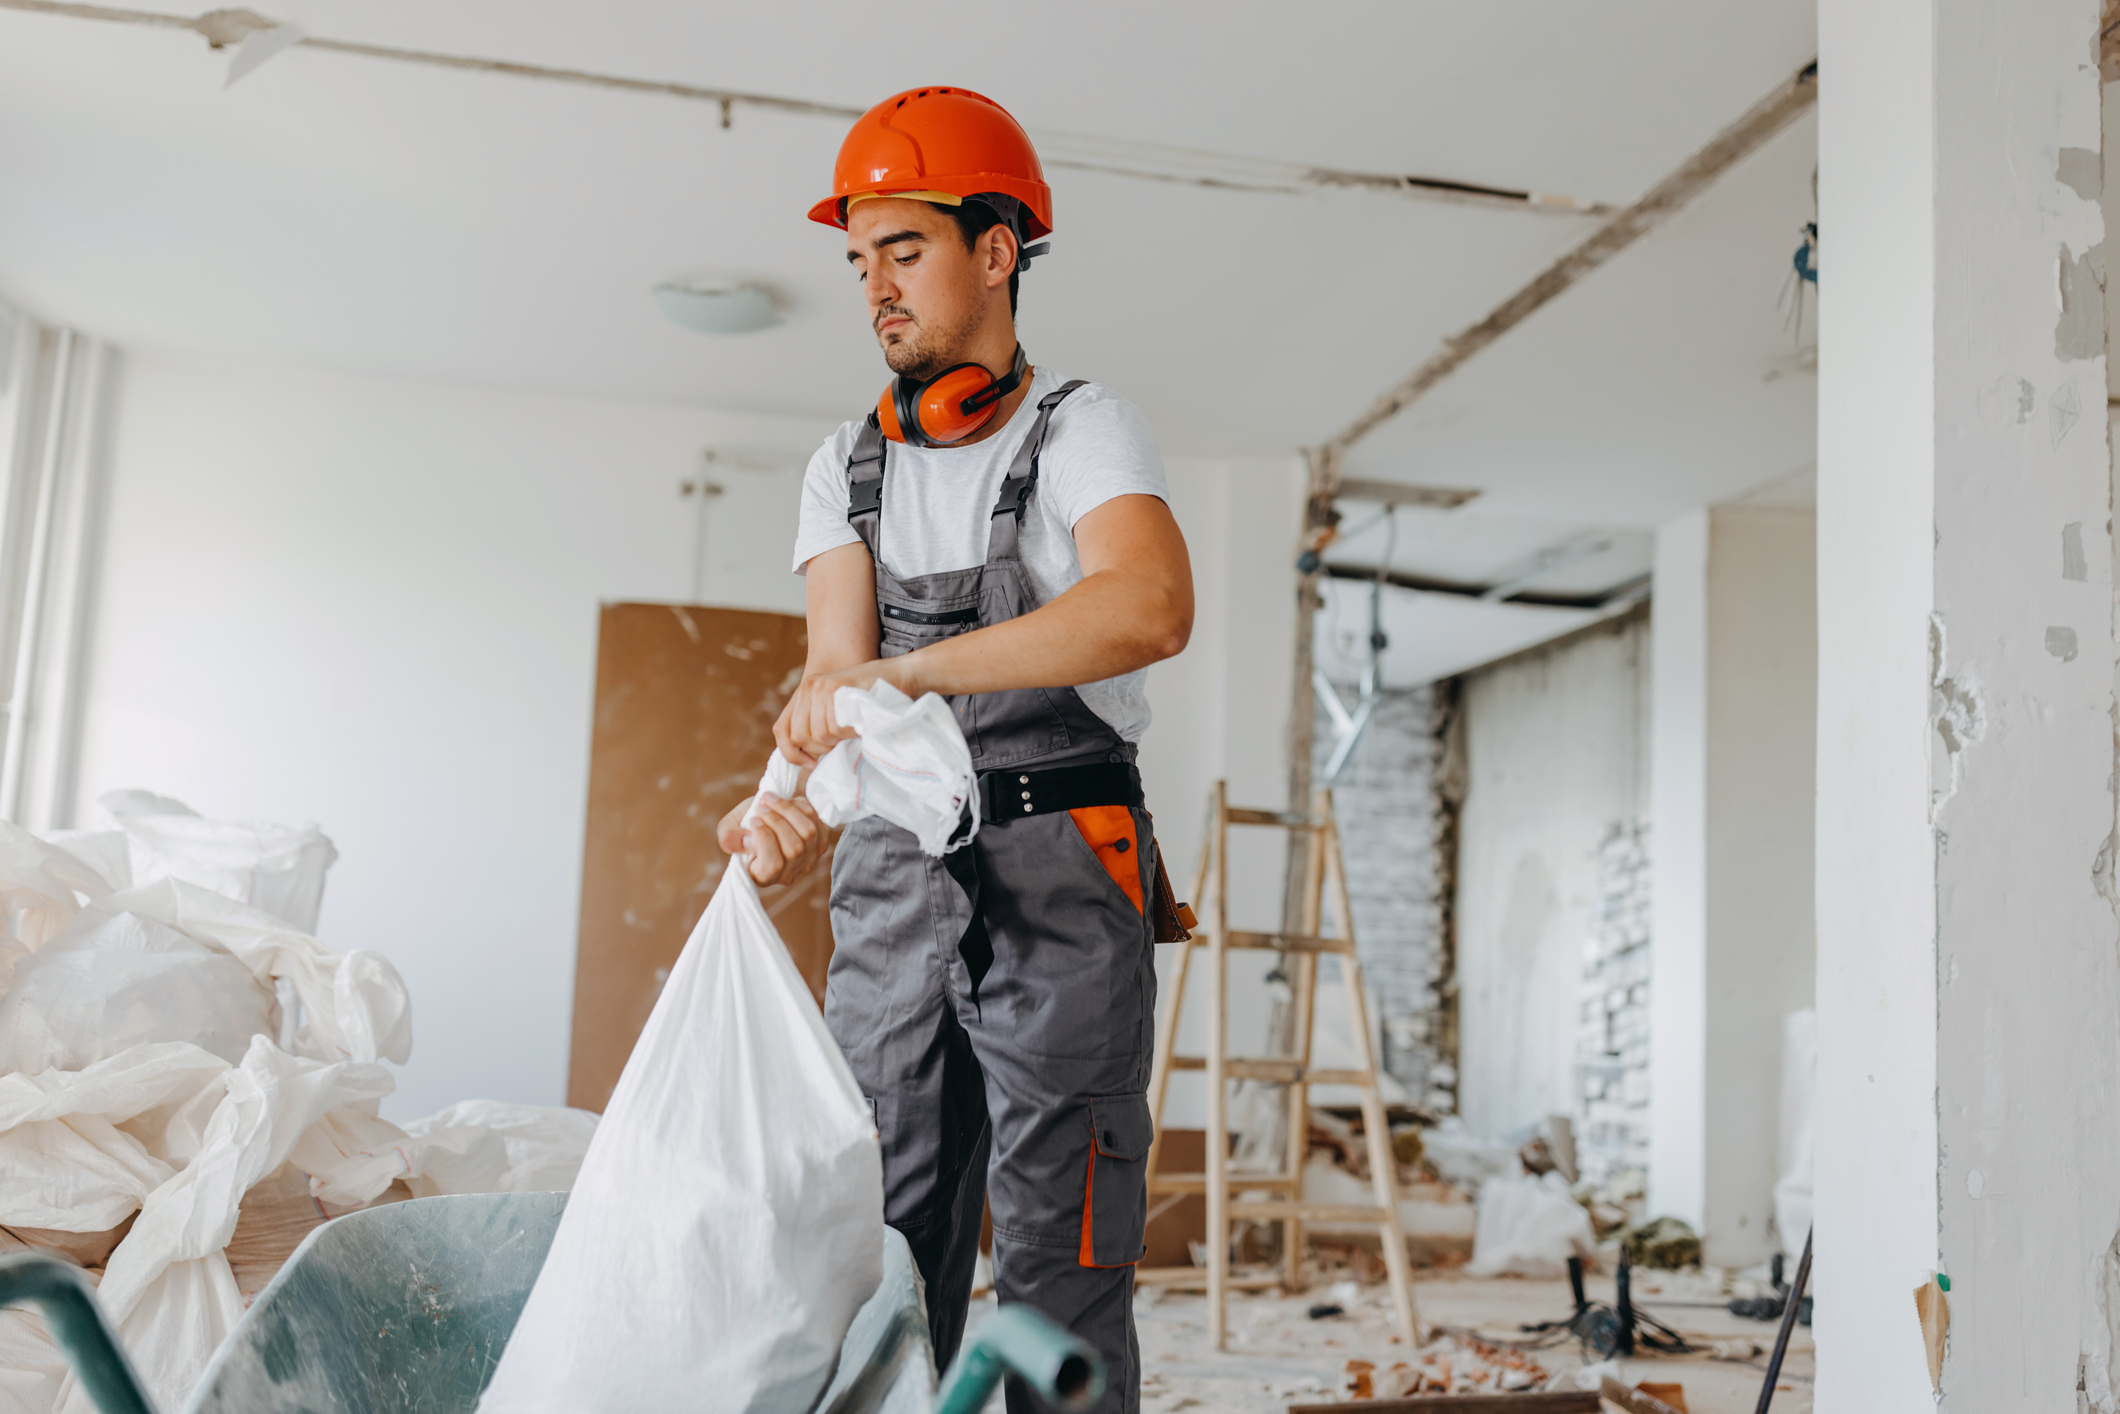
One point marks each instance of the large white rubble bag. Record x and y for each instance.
(728, 1219)
(278, 868)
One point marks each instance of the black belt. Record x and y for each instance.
(1011, 795)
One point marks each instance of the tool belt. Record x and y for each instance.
(1007, 795)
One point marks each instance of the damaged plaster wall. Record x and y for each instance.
(1556, 752)
(1968, 985)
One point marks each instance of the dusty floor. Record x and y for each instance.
(1278, 1356)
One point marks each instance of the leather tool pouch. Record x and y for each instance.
(1174, 920)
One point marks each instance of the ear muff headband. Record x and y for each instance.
(944, 410)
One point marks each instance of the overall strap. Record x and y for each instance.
(1022, 479)
(865, 484)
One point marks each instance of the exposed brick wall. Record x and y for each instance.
(1612, 1039)
(1395, 803)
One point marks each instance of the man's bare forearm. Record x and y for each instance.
(1107, 624)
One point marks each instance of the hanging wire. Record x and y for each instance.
(1348, 727)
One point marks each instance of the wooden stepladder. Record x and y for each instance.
(1287, 1207)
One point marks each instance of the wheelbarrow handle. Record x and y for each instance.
(70, 1310)
(1016, 1340)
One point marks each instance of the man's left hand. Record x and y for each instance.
(808, 728)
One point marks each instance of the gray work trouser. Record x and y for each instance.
(1034, 1098)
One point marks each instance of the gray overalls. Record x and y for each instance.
(998, 1004)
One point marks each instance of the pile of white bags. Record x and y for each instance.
(148, 1109)
(728, 1221)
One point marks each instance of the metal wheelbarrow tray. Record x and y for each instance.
(405, 1309)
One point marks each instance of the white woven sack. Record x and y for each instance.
(728, 1220)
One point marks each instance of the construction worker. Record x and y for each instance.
(1000, 536)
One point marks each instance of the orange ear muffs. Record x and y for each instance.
(944, 410)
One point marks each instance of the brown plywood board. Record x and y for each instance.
(686, 697)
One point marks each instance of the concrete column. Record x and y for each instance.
(1967, 990)
(1732, 945)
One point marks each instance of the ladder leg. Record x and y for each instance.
(1217, 1146)
(1293, 1236)
(1306, 992)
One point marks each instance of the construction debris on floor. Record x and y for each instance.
(1279, 1356)
(189, 1083)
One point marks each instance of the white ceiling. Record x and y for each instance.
(355, 213)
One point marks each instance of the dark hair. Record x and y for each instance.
(974, 219)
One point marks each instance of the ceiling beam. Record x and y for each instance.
(1400, 493)
(1758, 125)
(1626, 590)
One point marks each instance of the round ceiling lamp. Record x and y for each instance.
(710, 306)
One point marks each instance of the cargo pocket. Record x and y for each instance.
(1115, 1190)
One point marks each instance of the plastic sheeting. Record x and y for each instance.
(1528, 1227)
(277, 868)
(145, 1101)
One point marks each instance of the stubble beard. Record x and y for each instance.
(925, 352)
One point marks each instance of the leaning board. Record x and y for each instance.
(685, 702)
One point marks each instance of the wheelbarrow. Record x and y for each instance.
(405, 1309)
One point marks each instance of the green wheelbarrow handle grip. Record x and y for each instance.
(1017, 1340)
(70, 1310)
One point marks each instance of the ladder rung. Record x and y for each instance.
(1287, 942)
(1197, 1182)
(1196, 1277)
(1278, 1072)
(1309, 1212)
(1362, 1078)
(1286, 819)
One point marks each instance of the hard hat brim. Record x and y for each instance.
(1037, 198)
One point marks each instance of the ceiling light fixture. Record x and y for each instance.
(710, 306)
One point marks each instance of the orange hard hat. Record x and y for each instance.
(936, 143)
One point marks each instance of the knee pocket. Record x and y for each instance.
(1115, 1182)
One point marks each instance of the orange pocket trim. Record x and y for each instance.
(1109, 831)
(1087, 1257)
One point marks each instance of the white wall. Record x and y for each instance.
(1556, 754)
(373, 604)
(1222, 713)
(1735, 691)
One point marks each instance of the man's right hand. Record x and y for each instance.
(785, 844)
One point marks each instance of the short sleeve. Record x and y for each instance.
(1099, 448)
(823, 525)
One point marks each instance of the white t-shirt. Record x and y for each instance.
(937, 503)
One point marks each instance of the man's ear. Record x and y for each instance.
(999, 243)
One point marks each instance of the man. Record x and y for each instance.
(1001, 537)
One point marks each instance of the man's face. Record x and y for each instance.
(926, 293)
